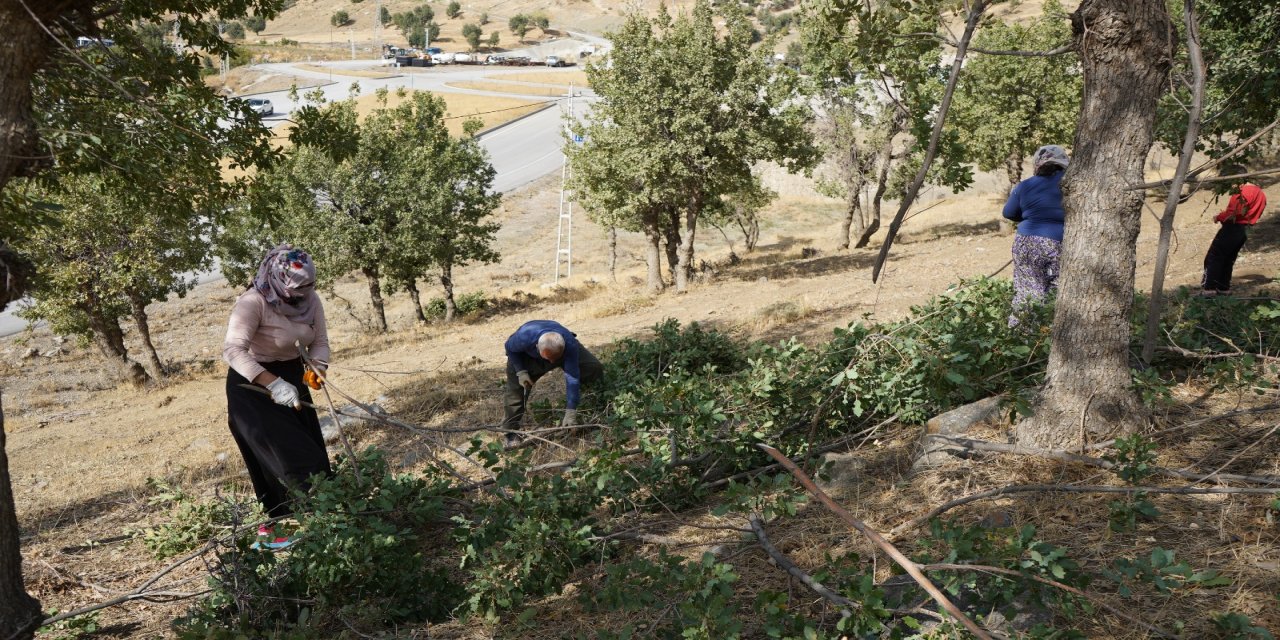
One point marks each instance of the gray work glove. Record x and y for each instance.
(570, 418)
(284, 393)
(525, 380)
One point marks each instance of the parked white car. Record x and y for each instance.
(463, 58)
(441, 58)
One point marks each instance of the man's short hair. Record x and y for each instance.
(551, 342)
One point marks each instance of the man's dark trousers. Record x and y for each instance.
(589, 369)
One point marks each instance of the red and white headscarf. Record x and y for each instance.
(287, 280)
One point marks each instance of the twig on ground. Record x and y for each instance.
(1196, 423)
(910, 567)
(1064, 488)
(142, 593)
(757, 526)
(997, 447)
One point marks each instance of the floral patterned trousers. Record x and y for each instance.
(1035, 272)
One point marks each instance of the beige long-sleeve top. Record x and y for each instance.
(258, 333)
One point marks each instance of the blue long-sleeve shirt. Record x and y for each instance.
(1036, 205)
(522, 348)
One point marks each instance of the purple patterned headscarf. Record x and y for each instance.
(287, 279)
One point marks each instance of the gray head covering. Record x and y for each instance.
(1050, 154)
(286, 279)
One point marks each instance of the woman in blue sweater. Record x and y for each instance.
(1036, 205)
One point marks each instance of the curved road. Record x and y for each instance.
(521, 151)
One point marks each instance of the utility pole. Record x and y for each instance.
(377, 31)
(351, 34)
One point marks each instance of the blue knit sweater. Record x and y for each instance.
(1036, 205)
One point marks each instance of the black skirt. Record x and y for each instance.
(281, 446)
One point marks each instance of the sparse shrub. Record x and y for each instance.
(469, 304)
(340, 18)
(191, 522)
(453, 10)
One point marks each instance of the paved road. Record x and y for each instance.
(521, 151)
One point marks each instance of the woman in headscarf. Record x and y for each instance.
(278, 436)
(1035, 204)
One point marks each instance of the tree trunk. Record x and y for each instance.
(885, 161)
(144, 331)
(20, 614)
(671, 229)
(110, 340)
(653, 258)
(854, 221)
(24, 49)
(416, 297)
(1126, 49)
(446, 281)
(684, 269)
(613, 254)
(1013, 169)
(375, 298)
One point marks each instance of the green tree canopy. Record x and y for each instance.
(1008, 106)
(686, 111)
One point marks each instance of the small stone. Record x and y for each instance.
(840, 471)
(200, 444)
(221, 457)
(30, 353)
(762, 279)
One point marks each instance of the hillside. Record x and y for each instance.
(82, 449)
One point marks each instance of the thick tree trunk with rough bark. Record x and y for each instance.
(446, 282)
(1126, 49)
(416, 297)
(375, 298)
(140, 320)
(854, 221)
(24, 49)
(20, 614)
(110, 340)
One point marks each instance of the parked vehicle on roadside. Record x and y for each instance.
(441, 58)
(554, 61)
(262, 106)
(463, 58)
(517, 61)
(495, 58)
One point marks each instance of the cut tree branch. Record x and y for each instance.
(910, 567)
(757, 526)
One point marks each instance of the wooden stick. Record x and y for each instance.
(910, 567)
(757, 526)
(1064, 488)
(943, 566)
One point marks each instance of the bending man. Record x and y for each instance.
(537, 347)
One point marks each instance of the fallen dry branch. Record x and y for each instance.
(757, 526)
(1064, 488)
(142, 593)
(1267, 408)
(910, 567)
(1053, 583)
(965, 444)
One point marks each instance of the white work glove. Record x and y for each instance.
(284, 393)
(525, 380)
(570, 418)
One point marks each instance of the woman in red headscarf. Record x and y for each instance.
(278, 436)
